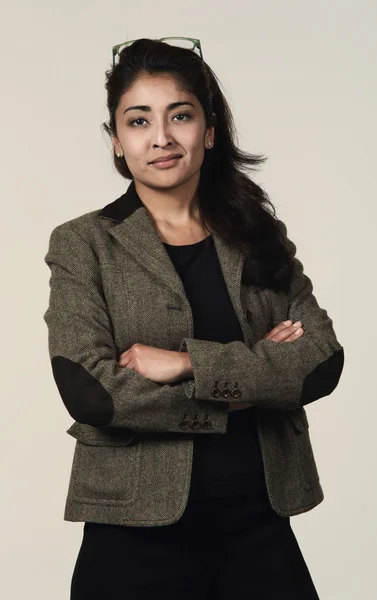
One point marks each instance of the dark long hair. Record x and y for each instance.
(230, 203)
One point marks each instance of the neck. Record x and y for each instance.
(171, 207)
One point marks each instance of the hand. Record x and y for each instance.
(285, 332)
(281, 333)
(157, 364)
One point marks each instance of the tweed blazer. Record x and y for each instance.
(112, 284)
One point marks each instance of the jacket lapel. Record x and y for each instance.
(134, 230)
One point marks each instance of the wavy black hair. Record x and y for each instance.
(229, 202)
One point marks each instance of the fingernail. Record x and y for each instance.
(297, 324)
(287, 322)
(298, 331)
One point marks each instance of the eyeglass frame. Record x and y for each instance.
(195, 41)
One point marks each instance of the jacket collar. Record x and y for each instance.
(134, 230)
(122, 207)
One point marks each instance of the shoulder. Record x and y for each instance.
(79, 238)
(81, 224)
(285, 239)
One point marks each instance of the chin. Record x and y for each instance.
(165, 181)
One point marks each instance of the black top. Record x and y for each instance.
(223, 463)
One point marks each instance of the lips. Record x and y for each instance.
(166, 158)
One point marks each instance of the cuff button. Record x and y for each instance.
(195, 424)
(226, 391)
(184, 423)
(216, 392)
(236, 392)
(207, 424)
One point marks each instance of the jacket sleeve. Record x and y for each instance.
(95, 389)
(273, 375)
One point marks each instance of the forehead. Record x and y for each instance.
(156, 89)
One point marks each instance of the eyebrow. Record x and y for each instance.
(147, 108)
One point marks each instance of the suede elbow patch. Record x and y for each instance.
(323, 379)
(83, 395)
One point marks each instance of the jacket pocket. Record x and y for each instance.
(103, 436)
(303, 448)
(106, 466)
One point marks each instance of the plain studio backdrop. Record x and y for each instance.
(300, 78)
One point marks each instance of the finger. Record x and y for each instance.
(278, 329)
(294, 336)
(124, 360)
(286, 333)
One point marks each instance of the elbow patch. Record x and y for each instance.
(85, 398)
(324, 379)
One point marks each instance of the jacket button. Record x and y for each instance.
(184, 423)
(195, 424)
(236, 392)
(226, 391)
(216, 392)
(207, 424)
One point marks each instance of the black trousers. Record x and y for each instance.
(228, 545)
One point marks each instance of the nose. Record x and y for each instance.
(162, 135)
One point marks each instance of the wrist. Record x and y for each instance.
(187, 370)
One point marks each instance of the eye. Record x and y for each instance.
(188, 117)
(183, 115)
(135, 120)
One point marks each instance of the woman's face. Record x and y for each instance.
(155, 130)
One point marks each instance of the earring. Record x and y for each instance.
(209, 144)
(118, 155)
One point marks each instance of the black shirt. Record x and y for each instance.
(223, 464)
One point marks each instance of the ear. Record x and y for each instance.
(210, 136)
(210, 131)
(117, 147)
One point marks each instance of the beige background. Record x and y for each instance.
(301, 80)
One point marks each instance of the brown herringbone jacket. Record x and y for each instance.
(113, 285)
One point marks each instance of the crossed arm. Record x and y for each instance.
(98, 391)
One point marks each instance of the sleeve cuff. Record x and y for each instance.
(188, 384)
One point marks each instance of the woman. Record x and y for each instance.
(185, 341)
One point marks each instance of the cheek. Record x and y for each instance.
(134, 150)
(191, 136)
(195, 145)
(197, 152)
